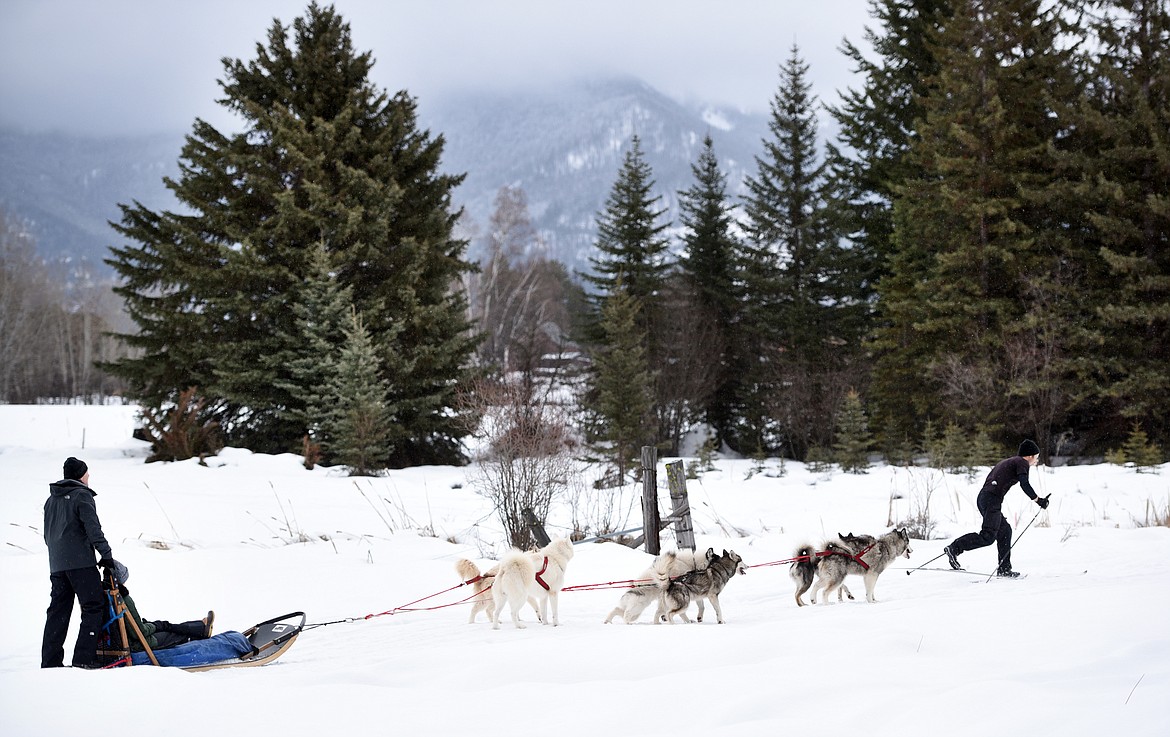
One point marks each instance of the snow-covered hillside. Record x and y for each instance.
(1079, 647)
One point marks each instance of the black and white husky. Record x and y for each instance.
(677, 593)
(860, 555)
(645, 592)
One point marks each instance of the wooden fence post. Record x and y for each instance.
(650, 519)
(680, 507)
(535, 527)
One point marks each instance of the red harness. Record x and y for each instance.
(846, 553)
(544, 568)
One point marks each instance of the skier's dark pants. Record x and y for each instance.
(84, 584)
(995, 529)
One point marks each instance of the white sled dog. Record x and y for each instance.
(481, 600)
(645, 592)
(861, 555)
(678, 593)
(536, 578)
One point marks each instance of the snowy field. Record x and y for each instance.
(1081, 646)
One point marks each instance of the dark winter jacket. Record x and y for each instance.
(1005, 475)
(72, 529)
(148, 628)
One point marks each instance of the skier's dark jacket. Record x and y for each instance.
(1005, 475)
(72, 529)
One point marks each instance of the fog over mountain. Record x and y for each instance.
(563, 146)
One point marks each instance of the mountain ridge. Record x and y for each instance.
(563, 146)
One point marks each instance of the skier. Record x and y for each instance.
(990, 503)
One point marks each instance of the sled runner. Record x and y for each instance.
(259, 645)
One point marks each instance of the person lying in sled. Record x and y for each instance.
(159, 633)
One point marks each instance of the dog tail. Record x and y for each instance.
(466, 570)
(516, 571)
(663, 565)
(803, 570)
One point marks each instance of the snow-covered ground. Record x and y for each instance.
(1081, 646)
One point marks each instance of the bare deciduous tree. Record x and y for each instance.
(688, 370)
(53, 324)
(518, 298)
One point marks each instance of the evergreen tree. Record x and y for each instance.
(851, 449)
(623, 382)
(977, 253)
(876, 121)
(323, 315)
(708, 264)
(805, 321)
(1124, 181)
(324, 157)
(632, 258)
(360, 422)
(631, 240)
(876, 128)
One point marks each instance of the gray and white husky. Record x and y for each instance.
(861, 555)
(677, 593)
(644, 593)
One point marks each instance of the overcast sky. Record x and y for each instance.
(105, 66)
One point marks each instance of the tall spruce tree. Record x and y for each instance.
(708, 264)
(631, 240)
(977, 255)
(324, 157)
(1127, 181)
(633, 258)
(876, 121)
(806, 315)
(876, 127)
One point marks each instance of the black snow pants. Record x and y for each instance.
(995, 529)
(84, 585)
(167, 634)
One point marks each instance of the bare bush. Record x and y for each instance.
(527, 457)
(919, 522)
(182, 431)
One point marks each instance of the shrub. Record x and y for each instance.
(181, 432)
(1137, 450)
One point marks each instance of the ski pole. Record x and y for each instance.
(926, 563)
(1009, 551)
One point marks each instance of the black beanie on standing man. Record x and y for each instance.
(1028, 448)
(75, 469)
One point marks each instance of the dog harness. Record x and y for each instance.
(544, 568)
(845, 553)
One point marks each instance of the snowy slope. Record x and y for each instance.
(1078, 647)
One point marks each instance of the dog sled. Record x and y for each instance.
(258, 645)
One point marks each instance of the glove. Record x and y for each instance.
(1043, 501)
(106, 562)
